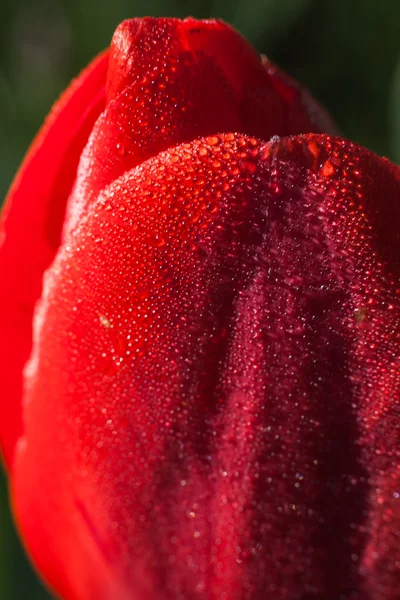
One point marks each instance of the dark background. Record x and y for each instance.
(347, 52)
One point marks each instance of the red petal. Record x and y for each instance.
(31, 228)
(172, 81)
(211, 405)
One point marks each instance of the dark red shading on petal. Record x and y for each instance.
(31, 227)
(211, 405)
(302, 107)
(172, 81)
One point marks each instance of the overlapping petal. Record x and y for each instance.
(172, 81)
(215, 371)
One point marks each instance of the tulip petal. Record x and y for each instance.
(31, 227)
(172, 81)
(212, 400)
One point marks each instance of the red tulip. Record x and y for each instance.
(209, 409)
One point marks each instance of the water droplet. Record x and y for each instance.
(105, 321)
(327, 169)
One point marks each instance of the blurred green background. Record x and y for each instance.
(346, 52)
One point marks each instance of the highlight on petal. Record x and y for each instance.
(215, 370)
(30, 230)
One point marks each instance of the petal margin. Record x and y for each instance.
(216, 375)
(30, 230)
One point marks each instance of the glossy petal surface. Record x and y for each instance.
(30, 230)
(215, 371)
